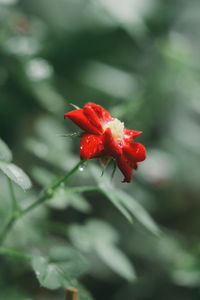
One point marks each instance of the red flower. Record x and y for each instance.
(105, 137)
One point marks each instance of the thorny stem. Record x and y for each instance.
(46, 194)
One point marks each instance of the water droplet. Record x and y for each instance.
(81, 168)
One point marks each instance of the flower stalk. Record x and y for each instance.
(15, 207)
(46, 194)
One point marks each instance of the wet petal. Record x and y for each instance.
(80, 119)
(91, 146)
(125, 168)
(134, 152)
(102, 114)
(92, 117)
(131, 134)
(112, 148)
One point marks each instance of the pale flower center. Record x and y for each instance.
(116, 127)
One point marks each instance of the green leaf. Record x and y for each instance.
(47, 274)
(116, 260)
(69, 260)
(47, 129)
(74, 105)
(109, 193)
(85, 236)
(126, 204)
(99, 229)
(60, 268)
(5, 153)
(137, 210)
(61, 199)
(107, 188)
(79, 203)
(42, 176)
(101, 237)
(47, 95)
(16, 174)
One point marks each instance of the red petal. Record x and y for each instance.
(111, 146)
(134, 152)
(80, 119)
(125, 168)
(131, 134)
(102, 114)
(92, 117)
(91, 146)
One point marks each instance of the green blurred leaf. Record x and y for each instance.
(61, 200)
(101, 237)
(47, 274)
(47, 95)
(60, 268)
(107, 188)
(137, 211)
(109, 80)
(109, 193)
(69, 260)
(85, 236)
(116, 260)
(100, 229)
(79, 203)
(16, 174)
(42, 176)
(5, 153)
(126, 204)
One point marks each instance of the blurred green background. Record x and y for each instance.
(140, 60)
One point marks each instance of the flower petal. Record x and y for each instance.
(125, 168)
(80, 119)
(92, 117)
(91, 146)
(112, 148)
(131, 134)
(102, 114)
(134, 152)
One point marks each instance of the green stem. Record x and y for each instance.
(7, 228)
(47, 193)
(14, 253)
(14, 216)
(81, 189)
(66, 176)
(40, 200)
(15, 207)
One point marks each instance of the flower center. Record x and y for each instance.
(116, 127)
